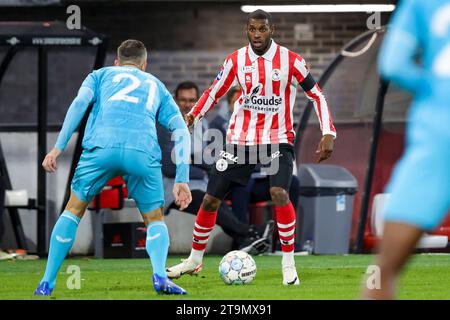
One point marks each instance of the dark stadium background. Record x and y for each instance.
(187, 40)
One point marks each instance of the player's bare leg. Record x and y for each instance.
(204, 225)
(286, 229)
(398, 242)
(211, 203)
(152, 216)
(76, 206)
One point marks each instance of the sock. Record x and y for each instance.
(204, 224)
(286, 229)
(288, 259)
(157, 246)
(61, 240)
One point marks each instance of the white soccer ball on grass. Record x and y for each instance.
(237, 267)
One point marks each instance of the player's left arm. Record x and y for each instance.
(171, 119)
(85, 96)
(316, 96)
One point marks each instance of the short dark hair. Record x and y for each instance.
(260, 15)
(133, 51)
(186, 85)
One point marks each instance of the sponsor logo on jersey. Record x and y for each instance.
(265, 101)
(256, 90)
(263, 104)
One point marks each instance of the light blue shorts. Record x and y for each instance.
(420, 184)
(144, 180)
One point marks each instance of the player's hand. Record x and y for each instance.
(189, 119)
(49, 163)
(325, 147)
(182, 195)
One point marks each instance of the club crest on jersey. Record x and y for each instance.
(275, 74)
(248, 69)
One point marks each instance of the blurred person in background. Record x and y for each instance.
(420, 183)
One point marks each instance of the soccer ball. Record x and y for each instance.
(237, 267)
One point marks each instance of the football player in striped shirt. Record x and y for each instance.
(260, 132)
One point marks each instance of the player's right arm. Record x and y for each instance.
(316, 96)
(220, 86)
(397, 59)
(85, 96)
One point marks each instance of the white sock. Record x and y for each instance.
(196, 256)
(288, 259)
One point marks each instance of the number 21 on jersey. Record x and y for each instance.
(126, 94)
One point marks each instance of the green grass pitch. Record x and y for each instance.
(322, 277)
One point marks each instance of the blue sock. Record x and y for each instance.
(61, 240)
(157, 246)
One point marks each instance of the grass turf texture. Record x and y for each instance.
(321, 277)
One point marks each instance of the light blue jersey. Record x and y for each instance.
(420, 184)
(419, 28)
(120, 140)
(120, 136)
(127, 103)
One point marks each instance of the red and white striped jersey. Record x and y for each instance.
(263, 113)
